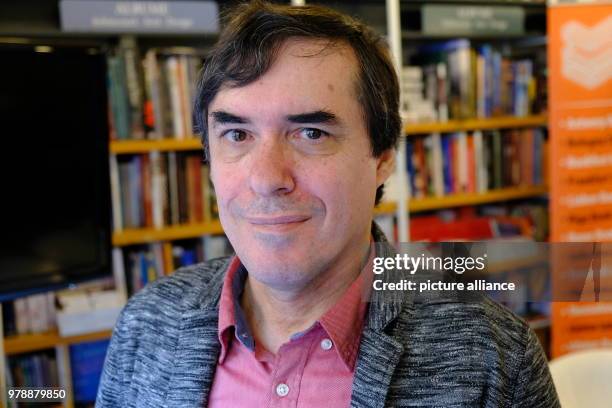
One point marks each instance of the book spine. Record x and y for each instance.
(175, 97)
(115, 193)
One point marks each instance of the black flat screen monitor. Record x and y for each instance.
(55, 211)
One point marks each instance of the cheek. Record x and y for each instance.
(226, 181)
(345, 186)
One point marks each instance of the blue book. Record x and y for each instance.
(188, 257)
(447, 164)
(86, 362)
(144, 267)
(410, 165)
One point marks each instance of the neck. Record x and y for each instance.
(274, 315)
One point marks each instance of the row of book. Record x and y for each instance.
(489, 222)
(475, 162)
(456, 80)
(33, 370)
(151, 97)
(160, 189)
(29, 315)
(146, 263)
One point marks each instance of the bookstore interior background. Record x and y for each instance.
(507, 110)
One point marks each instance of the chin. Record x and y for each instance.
(281, 270)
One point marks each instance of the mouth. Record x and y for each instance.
(274, 223)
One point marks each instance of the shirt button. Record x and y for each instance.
(282, 390)
(326, 344)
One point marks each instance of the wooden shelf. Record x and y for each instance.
(475, 124)
(34, 342)
(459, 200)
(385, 208)
(144, 146)
(144, 235)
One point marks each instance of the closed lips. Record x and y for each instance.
(285, 219)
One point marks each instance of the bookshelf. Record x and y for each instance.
(42, 341)
(145, 235)
(193, 143)
(460, 200)
(174, 232)
(26, 343)
(504, 122)
(133, 236)
(493, 196)
(162, 145)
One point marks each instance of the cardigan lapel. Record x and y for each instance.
(197, 349)
(379, 354)
(195, 359)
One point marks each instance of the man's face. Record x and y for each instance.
(292, 167)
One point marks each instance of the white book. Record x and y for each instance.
(115, 193)
(51, 313)
(442, 93)
(22, 322)
(172, 65)
(479, 163)
(157, 188)
(37, 313)
(119, 273)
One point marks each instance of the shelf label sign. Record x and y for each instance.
(472, 20)
(170, 17)
(580, 139)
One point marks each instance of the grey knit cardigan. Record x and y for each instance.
(165, 347)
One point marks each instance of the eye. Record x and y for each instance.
(235, 135)
(313, 133)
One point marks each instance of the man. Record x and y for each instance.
(298, 109)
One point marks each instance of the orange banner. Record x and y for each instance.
(580, 131)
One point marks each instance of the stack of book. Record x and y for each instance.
(461, 81)
(474, 162)
(28, 315)
(151, 97)
(146, 263)
(160, 189)
(33, 370)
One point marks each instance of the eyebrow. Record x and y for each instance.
(222, 117)
(318, 116)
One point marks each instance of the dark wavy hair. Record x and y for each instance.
(250, 41)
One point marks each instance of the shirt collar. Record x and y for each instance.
(343, 322)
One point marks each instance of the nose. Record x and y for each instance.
(271, 170)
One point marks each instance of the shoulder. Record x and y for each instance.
(188, 287)
(478, 324)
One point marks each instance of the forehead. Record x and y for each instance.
(306, 74)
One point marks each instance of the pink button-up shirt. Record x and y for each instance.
(314, 369)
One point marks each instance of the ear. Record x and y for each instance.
(385, 164)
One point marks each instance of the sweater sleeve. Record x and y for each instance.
(534, 385)
(118, 365)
